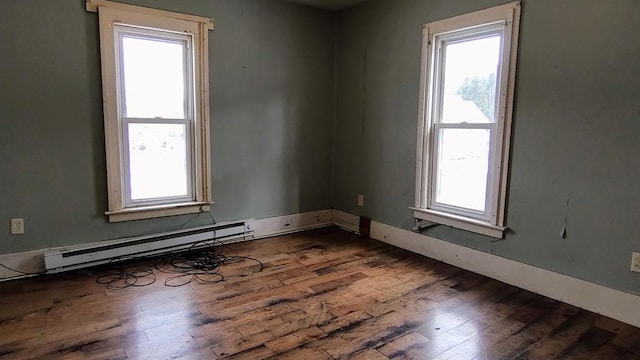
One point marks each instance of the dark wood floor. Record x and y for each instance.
(324, 294)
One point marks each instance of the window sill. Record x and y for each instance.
(460, 222)
(148, 212)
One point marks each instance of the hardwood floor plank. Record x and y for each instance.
(258, 352)
(477, 343)
(557, 319)
(368, 334)
(176, 348)
(369, 355)
(588, 342)
(627, 339)
(303, 352)
(234, 343)
(432, 349)
(294, 340)
(404, 344)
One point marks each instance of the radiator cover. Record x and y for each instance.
(127, 248)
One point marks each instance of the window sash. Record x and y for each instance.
(190, 173)
(437, 86)
(439, 58)
(130, 31)
(122, 31)
(489, 208)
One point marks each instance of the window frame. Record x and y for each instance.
(121, 207)
(125, 30)
(490, 222)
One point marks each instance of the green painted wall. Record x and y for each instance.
(272, 103)
(575, 147)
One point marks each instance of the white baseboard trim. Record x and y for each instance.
(33, 261)
(346, 221)
(26, 261)
(615, 304)
(280, 225)
(599, 299)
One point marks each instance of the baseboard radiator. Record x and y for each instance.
(127, 248)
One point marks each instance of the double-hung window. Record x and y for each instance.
(155, 90)
(466, 103)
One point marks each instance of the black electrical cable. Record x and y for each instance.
(38, 273)
(201, 262)
(21, 272)
(212, 218)
(122, 277)
(203, 266)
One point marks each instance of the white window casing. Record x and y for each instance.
(117, 22)
(499, 22)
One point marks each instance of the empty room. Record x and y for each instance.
(320, 179)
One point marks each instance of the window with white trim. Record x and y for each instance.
(155, 90)
(466, 104)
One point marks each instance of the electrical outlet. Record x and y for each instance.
(360, 200)
(635, 262)
(17, 226)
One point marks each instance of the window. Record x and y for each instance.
(466, 103)
(155, 90)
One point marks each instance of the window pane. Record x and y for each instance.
(153, 78)
(463, 163)
(470, 69)
(157, 160)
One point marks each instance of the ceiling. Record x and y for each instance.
(333, 5)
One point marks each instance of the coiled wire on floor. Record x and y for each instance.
(202, 262)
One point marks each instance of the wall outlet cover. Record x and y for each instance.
(17, 226)
(635, 262)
